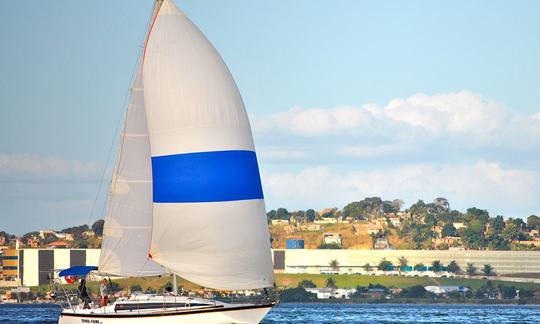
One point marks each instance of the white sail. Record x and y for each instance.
(209, 214)
(128, 225)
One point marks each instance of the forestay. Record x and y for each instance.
(209, 214)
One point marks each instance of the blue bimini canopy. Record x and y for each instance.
(77, 271)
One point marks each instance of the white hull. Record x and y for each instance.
(209, 315)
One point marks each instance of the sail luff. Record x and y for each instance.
(209, 219)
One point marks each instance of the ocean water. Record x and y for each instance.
(336, 313)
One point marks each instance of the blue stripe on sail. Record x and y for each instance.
(206, 177)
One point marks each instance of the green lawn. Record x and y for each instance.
(292, 280)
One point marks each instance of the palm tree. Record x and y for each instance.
(402, 263)
(367, 267)
(470, 270)
(453, 267)
(330, 283)
(334, 264)
(436, 266)
(488, 269)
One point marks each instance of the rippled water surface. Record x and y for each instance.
(337, 313)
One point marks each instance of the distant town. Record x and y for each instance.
(371, 249)
(374, 223)
(371, 223)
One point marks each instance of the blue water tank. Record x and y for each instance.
(295, 244)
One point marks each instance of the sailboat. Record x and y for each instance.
(186, 196)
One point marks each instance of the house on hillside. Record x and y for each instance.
(381, 244)
(64, 236)
(58, 245)
(459, 225)
(311, 227)
(332, 238)
(326, 220)
(280, 222)
(44, 233)
(396, 221)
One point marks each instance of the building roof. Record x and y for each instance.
(58, 244)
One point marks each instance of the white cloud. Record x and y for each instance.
(24, 167)
(372, 150)
(43, 192)
(281, 154)
(483, 184)
(420, 117)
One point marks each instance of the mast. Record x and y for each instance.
(175, 284)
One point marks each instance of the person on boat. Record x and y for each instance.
(104, 293)
(83, 294)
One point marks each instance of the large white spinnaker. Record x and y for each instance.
(128, 224)
(209, 214)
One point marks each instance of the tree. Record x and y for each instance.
(436, 266)
(76, 230)
(329, 246)
(330, 283)
(97, 227)
(533, 222)
(470, 269)
(419, 267)
(310, 215)
(385, 265)
(403, 261)
(480, 215)
(487, 269)
(334, 264)
(282, 213)
(367, 267)
(298, 294)
(508, 292)
(307, 284)
(415, 292)
(497, 224)
(453, 267)
(136, 288)
(398, 204)
(448, 230)
(442, 202)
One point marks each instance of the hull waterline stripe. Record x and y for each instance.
(206, 177)
(171, 313)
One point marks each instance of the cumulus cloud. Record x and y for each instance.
(281, 154)
(483, 183)
(33, 167)
(43, 192)
(454, 115)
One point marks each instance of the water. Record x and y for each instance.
(337, 313)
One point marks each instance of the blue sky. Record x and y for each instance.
(401, 99)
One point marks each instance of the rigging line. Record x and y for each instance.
(114, 177)
(117, 134)
(109, 154)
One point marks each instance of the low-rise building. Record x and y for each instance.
(381, 244)
(329, 293)
(442, 290)
(326, 220)
(332, 238)
(280, 222)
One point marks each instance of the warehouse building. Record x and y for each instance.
(32, 267)
(353, 261)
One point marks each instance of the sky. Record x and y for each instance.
(347, 99)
